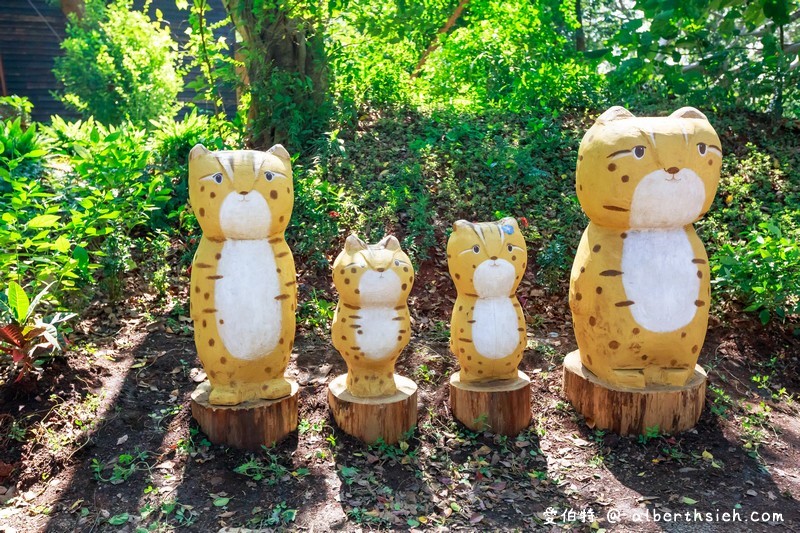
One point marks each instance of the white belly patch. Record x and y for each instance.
(494, 332)
(377, 337)
(660, 278)
(248, 315)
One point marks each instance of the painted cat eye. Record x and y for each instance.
(510, 248)
(701, 147)
(476, 248)
(397, 262)
(217, 177)
(269, 175)
(638, 151)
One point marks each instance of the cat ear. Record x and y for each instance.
(197, 151)
(688, 112)
(280, 151)
(461, 224)
(614, 113)
(390, 242)
(509, 221)
(354, 244)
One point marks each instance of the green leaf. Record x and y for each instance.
(18, 301)
(43, 221)
(118, 520)
(82, 257)
(688, 501)
(221, 502)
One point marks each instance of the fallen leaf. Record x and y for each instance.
(751, 492)
(688, 501)
(122, 439)
(475, 518)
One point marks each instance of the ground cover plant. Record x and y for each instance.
(427, 124)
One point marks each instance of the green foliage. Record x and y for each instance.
(122, 467)
(734, 53)
(21, 150)
(13, 106)
(210, 55)
(26, 340)
(119, 65)
(763, 272)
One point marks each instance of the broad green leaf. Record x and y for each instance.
(221, 502)
(688, 501)
(43, 221)
(18, 301)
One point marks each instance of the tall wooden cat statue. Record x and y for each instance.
(487, 331)
(371, 325)
(639, 288)
(243, 288)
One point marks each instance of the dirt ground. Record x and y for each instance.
(104, 441)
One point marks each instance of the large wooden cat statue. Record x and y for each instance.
(372, 325)
(639, 288)
(243, 288)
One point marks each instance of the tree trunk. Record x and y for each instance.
(442, 31)
(580, 36)
(284, 57)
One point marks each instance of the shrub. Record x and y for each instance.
(763, 272)
(118, 64)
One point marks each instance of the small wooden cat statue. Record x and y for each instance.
(639, 288)
(371, 324)
(243, 287)
(487, 332)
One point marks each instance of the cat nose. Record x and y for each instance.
(243, 193)
(673, 170)
(493, 258)
(381, 269)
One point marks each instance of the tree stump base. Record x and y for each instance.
(502, 406)
(633, 411)
(248, 425)
(371, 419)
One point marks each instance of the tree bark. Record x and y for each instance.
(286, 71)
(633, 411)
(580, 36)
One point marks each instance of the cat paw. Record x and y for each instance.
(273, 389)
(221, 395)
(628, 377)
(676, 377)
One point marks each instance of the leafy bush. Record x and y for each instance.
(21, 150)
(763, 272)
(119, 65)
(25, 338)
(14, 106)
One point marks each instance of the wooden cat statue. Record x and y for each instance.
(487, 330)
(639, 288)
(371, 325)
(243, 287)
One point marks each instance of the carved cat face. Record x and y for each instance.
(487, 259)
(373, 274)
(648, 172)
(241, 194)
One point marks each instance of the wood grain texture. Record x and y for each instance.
(248, 425)
(373, 418)
(628, 411)
(500, 406)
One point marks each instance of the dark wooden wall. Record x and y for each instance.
(30, 42)
(28, 47)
